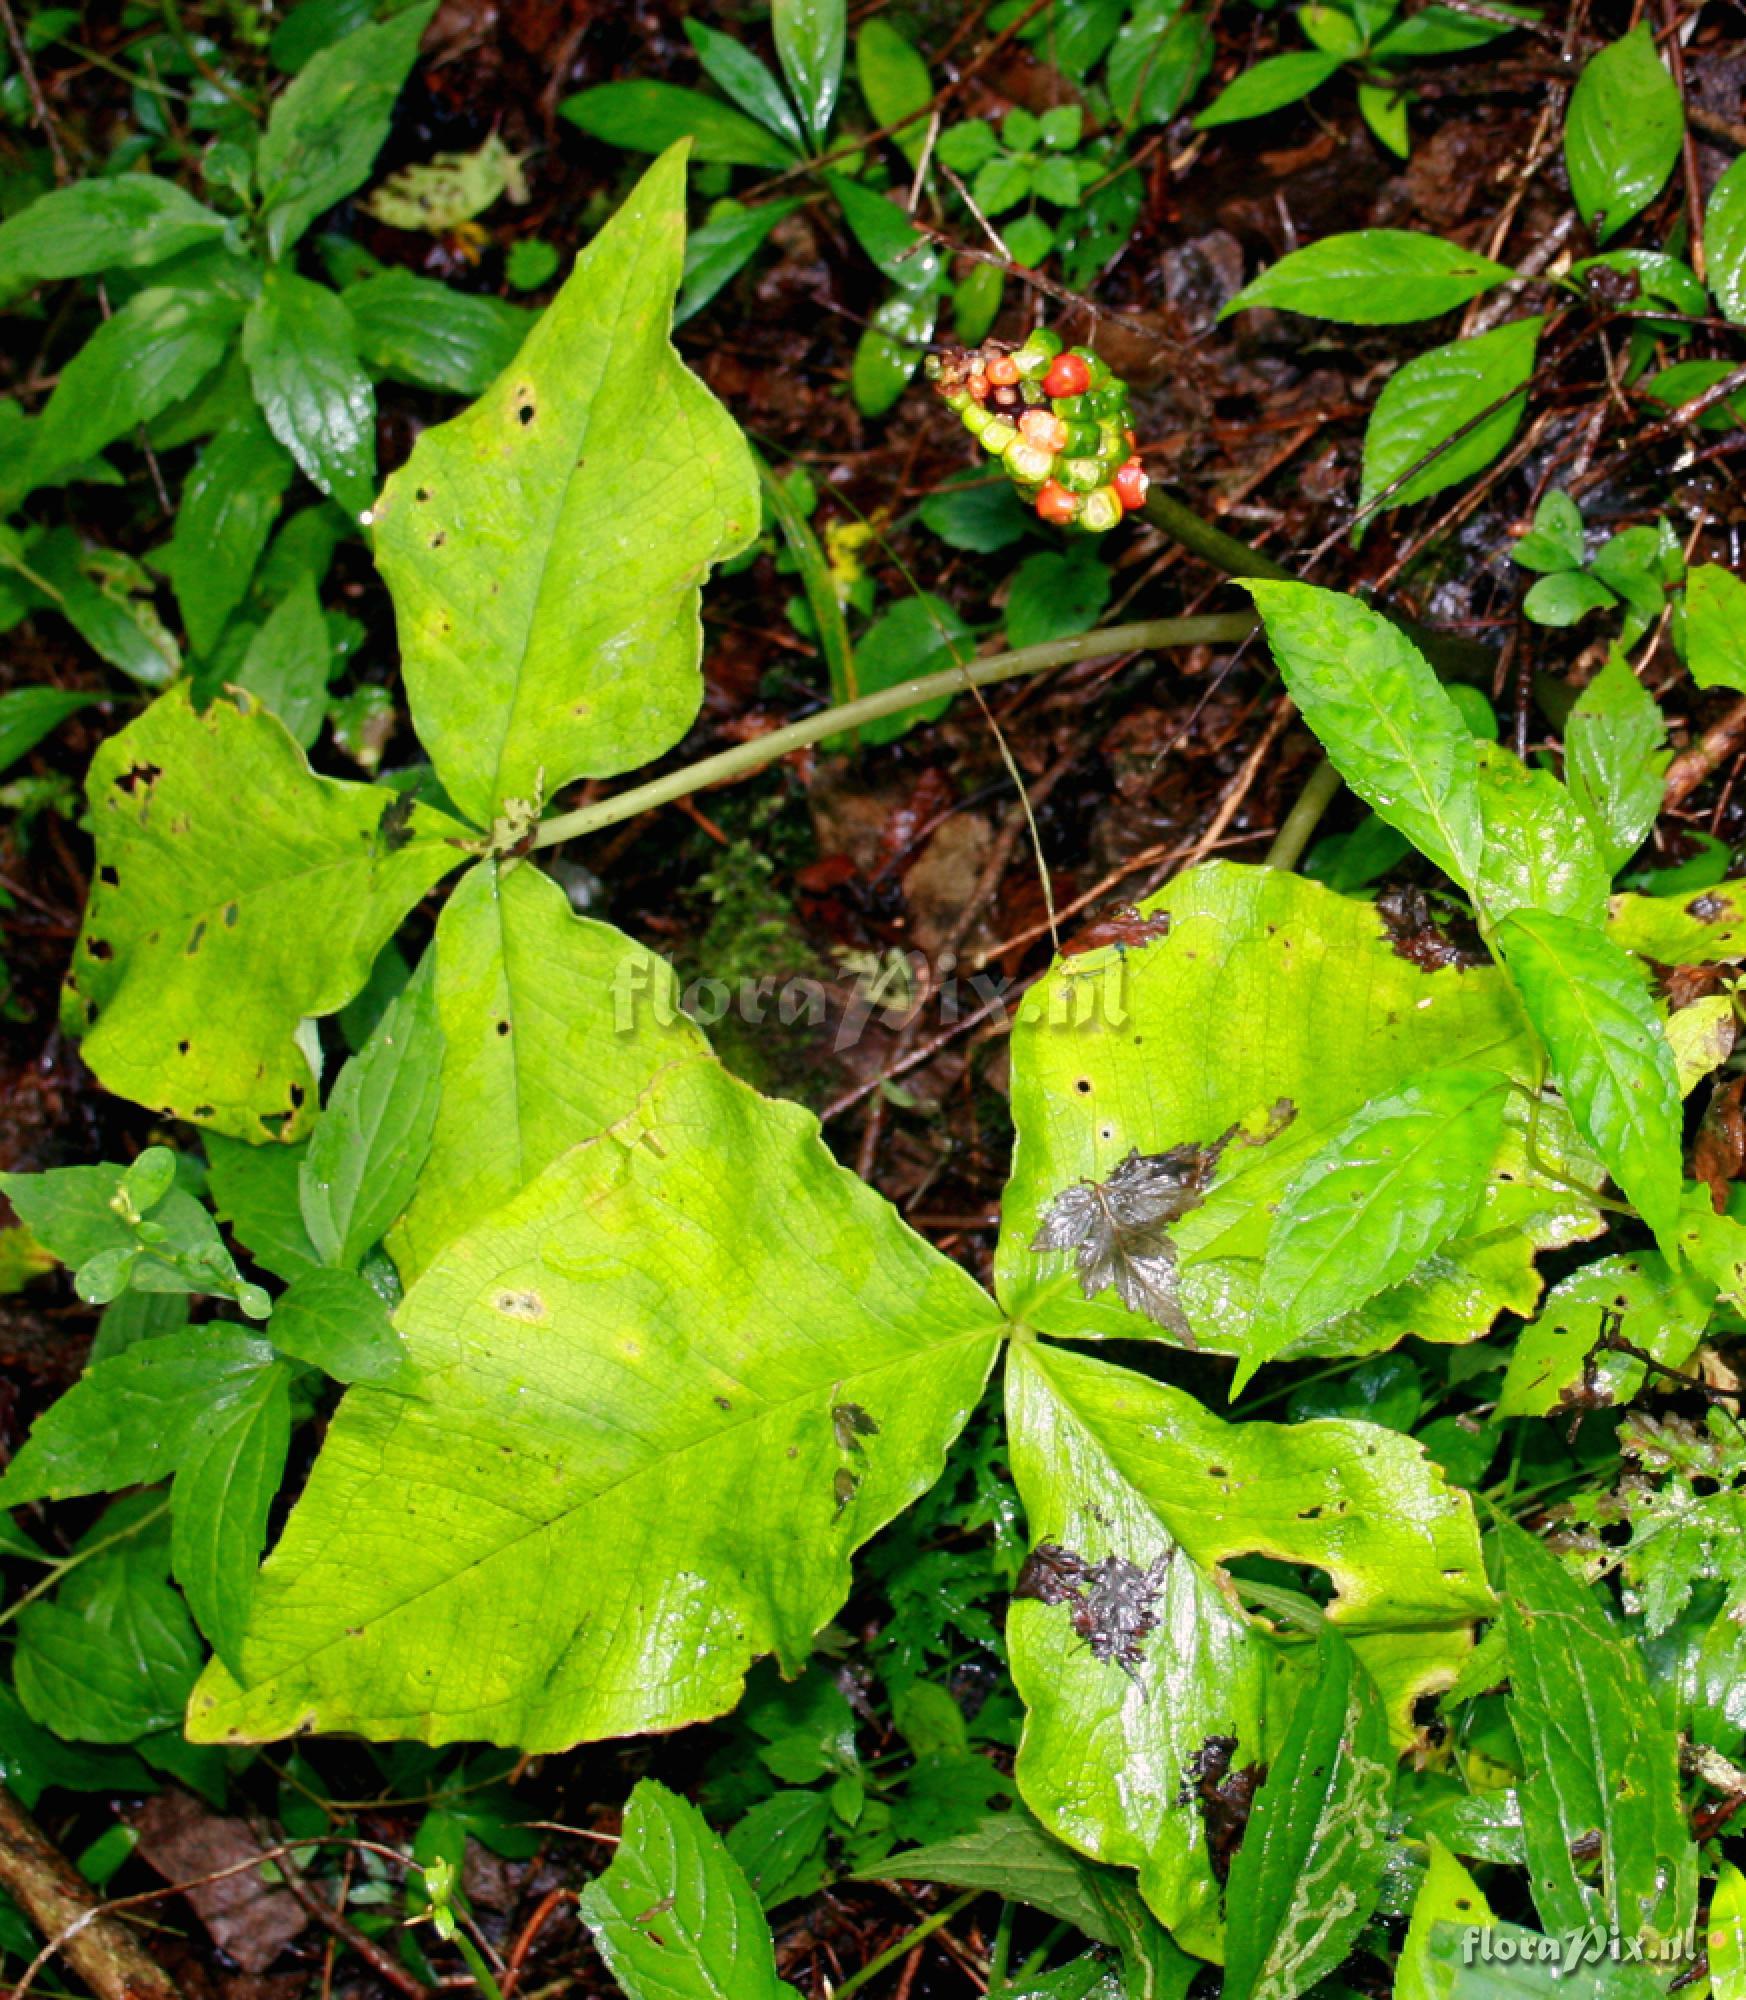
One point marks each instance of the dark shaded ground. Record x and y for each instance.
(1134, 765)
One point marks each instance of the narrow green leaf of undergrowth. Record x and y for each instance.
(1604, 1757)
(28, 714)
(894, 82)
(552, 1025)
(1590, 1002)
(746, 79)
(1715, 627)
(236, 894)
(829, 623)
(229, 504)
(219, 1501)
(722, 248)
(546, 548)
(1622, 133)
(301, 350)
(1441, 31)
(105, 597)
(1373, 277)
(157, 349)
(338, 1322)
(1311, 1864)
(287, 663)
(1428, 404)
(134, 1419)
(324, 133)
(1010, 1854)
(902, 253)
(1724, 242)
(674, 1916)
(810, 41)
(111, 1656)
(1615, 753)
(1161, 56)
(647, 116)
(106, 222)
(890, 350)
(1383, 717)
(1539, 853)
(417, 330)
(1257, 998)
(1269, 85)
(1393, 1185)
(652, 1419)
(1109, 1463)
(375, 1133)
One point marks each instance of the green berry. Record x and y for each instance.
(1081, 475)
(1073, 409)
(998, 434)
(1100, 374)
(1027, 461)
(1082, 439)
(1103, 509)
(975, 418)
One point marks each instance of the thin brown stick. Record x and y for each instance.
(383, 1963)
(38, 103)
(50, 1891)
(1707, 755)
(1717, 126)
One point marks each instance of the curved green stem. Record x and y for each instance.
(906, 1944)
(1318, 793)
(1145, 635)
(1200, 538)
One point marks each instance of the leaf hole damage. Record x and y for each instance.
(109, 876)
(503, 1027)
(138, 775)
(99, 948)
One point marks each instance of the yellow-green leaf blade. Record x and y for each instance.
(546, 548)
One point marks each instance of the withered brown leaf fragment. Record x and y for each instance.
(1121, 1226)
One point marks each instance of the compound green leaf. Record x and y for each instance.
(220, 1499)
(1382, 715)
(302, 355)
(810, 41)
(1311, 1864)
(324, 133)
(1615, 756)
(1605, 1759)
(552, 1026)
(135, 1418)
(1539, 853)
(375, 1134)
(1434, 423)
(417, 330)
(1373, 277)
(157, 349)
(1724, 242)
(649, 1421)
(546, 548)
(1272, 1005)
(1715, 627)
(1622, 134)
(221, 857)
(105, 222)
(674, 1916)
(1591, 1004)
(229, 504)
(1109, 1463)
(1396, 1182)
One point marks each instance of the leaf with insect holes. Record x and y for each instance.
(546, 549)
(195, 970)
(674, 1916)
(1110, 1464)
(546, 1530)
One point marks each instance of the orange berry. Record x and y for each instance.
(1055, 503)
(1003, 371)
(979, 387)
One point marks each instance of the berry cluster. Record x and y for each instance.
(1058, 421)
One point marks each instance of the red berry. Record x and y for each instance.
(1055, 503)
(979, 387)
(1003, 371)
(1130, 484)
(1067, 376)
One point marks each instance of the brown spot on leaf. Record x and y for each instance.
(528, 1306)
